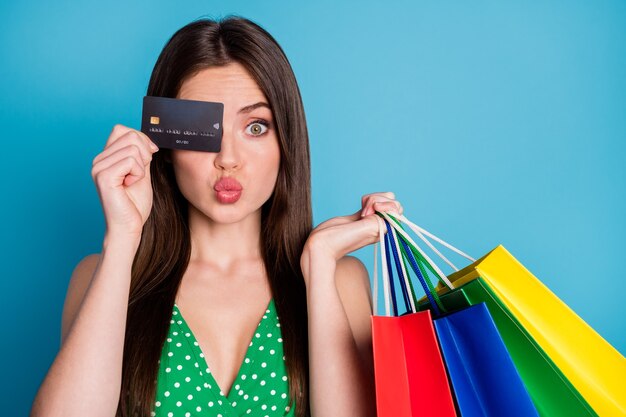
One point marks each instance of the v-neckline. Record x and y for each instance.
(203, 357)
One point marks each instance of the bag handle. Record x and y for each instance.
(421, 232)
(400, 251)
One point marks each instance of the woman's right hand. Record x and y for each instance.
(121, 173)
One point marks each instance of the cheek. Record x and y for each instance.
(188, 175)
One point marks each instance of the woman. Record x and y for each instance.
(212, 295)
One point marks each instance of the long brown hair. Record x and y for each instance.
(286, 218)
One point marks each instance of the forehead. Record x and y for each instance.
(229, 84)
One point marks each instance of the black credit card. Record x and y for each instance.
(183, 124)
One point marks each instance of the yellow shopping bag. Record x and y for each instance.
(594, 367)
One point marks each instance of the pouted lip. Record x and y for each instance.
(227, 184)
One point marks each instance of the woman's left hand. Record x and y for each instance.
(341, 235)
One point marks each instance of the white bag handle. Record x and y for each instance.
(383, 257)
(420, 233)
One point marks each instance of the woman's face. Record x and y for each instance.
(249, 153)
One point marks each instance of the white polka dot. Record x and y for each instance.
(190, 397)
(269, 335)
(171, 321)
(169, 339)
(262, 383)
(170, 354)
(175, 312)
(257, 335)
(243, 376)
(195, 343)
(287, 408)
(166, 393)
(187, 357)
(220, 401)
(206, 385)
(255, 398)
(280, 339)
(198, 408)
(170, 414)
(273, 408)
(158, 403)
(283, 395)
(187, 414)
(249, 411)
(273, 374)
(272, 351)
(247, 360)
(152, 414)
(178, 403)
(168, 369)
(284, 378)
(261, 348)
(187, 379)
(179, 322)
(177, 384)
(273, 392)
(264, 407)
(187, 334)
(179, 367)
(178, 344)
(198, 388)
(277, 324)
(264, 365)
(175, 333)
(201, 355)
(254, 376)
(240, 392)
(234, 404)
(210, 403)
(245, 397)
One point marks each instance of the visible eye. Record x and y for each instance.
(257, 127)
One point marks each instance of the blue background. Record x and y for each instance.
(494, 123)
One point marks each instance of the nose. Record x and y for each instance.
(228, 158)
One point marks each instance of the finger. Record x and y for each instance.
(120, 130)
(129, 139)
(383, 206)
(119, 155)
(387, 194)
(119, 171)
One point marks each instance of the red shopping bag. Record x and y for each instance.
(410, 374)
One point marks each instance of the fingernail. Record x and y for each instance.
(154, 147)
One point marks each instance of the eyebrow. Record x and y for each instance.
(249, 108)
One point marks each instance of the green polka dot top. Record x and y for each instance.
(186, 387)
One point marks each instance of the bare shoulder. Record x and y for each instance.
(76, 289)
(352, 279)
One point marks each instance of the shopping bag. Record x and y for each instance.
(484, 379)
(592, 366)
(410, 376)
(552, 394)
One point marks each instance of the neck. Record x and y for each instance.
(224, 244)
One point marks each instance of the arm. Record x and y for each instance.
(340, 352)
(339, 308)
(85, 377)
